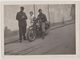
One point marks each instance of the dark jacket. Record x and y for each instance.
(21, 17)
(42, 17)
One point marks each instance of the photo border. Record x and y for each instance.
(77, 20)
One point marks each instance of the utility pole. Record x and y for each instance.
(48, 13)
(34, 9)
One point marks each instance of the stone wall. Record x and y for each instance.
(55, 13)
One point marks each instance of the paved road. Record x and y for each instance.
(58, 41)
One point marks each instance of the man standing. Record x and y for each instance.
(42, 18)
(21, 17)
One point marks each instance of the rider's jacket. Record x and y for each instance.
(31, 18)
(42, 17)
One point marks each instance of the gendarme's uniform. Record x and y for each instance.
(42, 17)
(21, 17)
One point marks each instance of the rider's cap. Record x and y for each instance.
(39, 10)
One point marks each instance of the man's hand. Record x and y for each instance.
(23, 17)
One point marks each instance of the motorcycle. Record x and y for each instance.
(34, 31)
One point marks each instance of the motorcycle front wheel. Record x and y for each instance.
(31, 35)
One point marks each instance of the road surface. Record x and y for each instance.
(58, 41)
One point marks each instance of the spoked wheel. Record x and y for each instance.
(31, 35)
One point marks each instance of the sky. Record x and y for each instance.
(56, 13)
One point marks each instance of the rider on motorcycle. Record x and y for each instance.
(32, 17)
(37, 29)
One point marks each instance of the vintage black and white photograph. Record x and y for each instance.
(39, 29)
